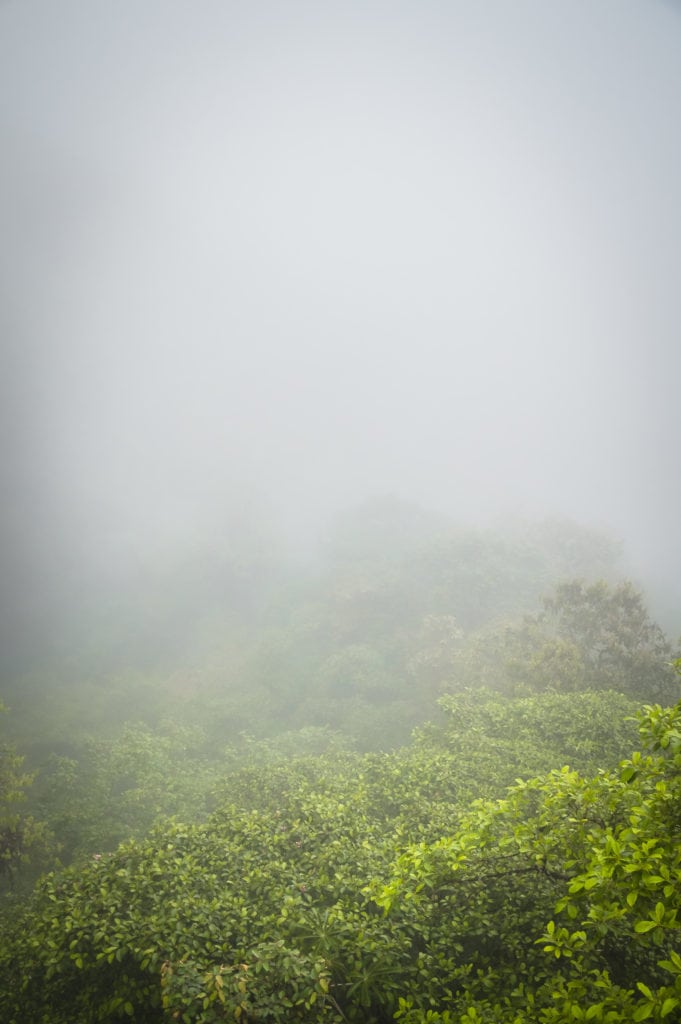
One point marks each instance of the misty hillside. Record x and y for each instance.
(396, 607)
(284, 767)
(340, 569)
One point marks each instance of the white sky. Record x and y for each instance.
(309, 252)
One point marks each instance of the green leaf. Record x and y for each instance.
(643, 1012)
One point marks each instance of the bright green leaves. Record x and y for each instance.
(561, 942)
(277, 983)
(355, 889)
(628, 891)
(654, 1006)
(673, 965)
(600, 858)
(668, 1005)
(661, 918)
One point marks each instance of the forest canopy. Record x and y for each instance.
(340, 569)
(431, 779)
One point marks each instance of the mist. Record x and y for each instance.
(260, 263)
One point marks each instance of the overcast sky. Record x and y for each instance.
(303, 253)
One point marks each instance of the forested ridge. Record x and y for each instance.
(340, 564)
(432, 776)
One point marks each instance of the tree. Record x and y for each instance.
(620, 645)
(592, 636)
(118, 789)
(272, 910)
(560, 902)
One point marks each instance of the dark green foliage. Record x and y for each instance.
(23, 839)
(273, 910)
(264, 844)
(119, 788)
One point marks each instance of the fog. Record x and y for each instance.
(260, 262)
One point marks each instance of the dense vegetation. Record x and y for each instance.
(435, 778)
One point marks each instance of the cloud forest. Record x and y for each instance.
(428, 778)
(340, 563)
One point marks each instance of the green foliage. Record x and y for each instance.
(594, 636)
(168, 924)
(399, 608)
(525, 734)
(355, 888)
(117, 789)
(23, 839)
(570, 889)
(589, 636)
(254, 850)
